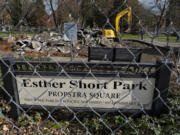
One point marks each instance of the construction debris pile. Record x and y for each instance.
(49, 42)
(55, 44)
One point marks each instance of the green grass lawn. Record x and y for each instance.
(5, 34)
(172, 39)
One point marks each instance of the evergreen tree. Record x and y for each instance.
(173, 13)
(87, 13)
(35, 16)
(28, 11)
(15, 10)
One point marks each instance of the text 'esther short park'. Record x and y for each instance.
(84, 85)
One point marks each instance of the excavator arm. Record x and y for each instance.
(109, 33)
(119, 16)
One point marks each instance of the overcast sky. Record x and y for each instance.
(48, 9)
(151, 3)
(147, 3)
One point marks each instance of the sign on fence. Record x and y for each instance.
(113, 86)
(70, 31)
(124, 93)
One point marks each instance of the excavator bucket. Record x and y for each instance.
(128, 30)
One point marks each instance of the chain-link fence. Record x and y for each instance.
(90, 67)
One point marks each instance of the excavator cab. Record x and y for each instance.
(109, 33)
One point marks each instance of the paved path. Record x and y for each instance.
(159, 43)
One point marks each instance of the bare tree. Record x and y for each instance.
(173, 13)
(160, 9)
(53, 12)
(4, 16)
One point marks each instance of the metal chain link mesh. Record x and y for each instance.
(33, 32)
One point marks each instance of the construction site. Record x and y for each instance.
(90, 67)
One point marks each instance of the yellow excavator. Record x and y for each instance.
(109, 33)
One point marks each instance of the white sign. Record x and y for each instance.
(123, 93)
(70, 31)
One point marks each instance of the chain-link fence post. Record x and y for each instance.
(9, 86)
(163, 73)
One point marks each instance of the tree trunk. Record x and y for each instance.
(53, 13)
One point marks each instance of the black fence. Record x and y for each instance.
(11, 68)
(114, 54)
